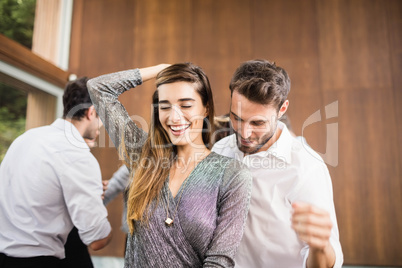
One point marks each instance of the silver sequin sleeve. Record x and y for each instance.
(104, 91)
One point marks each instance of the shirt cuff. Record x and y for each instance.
(98, 233)
(305, 252)
(338, 253)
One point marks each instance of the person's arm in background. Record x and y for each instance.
(116, 184)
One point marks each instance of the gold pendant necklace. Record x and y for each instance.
(169, 221)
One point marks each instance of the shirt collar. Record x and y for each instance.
(281, 149)
(71, 132)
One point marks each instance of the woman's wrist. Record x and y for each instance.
(151, 72)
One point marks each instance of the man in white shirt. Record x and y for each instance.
(291, 221)
(50, 182)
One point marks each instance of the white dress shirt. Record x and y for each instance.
(49, 182)
(287, 172)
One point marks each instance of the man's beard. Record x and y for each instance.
(252, 150)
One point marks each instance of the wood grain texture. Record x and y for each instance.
(356, 43)
(45, 41)
(162, 32)
(105, 44)
(394, 15)
(354, 48)
(41, 109)
(286, 32)
(221, 40)
(367, 181)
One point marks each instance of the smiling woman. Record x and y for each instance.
(187, 206)
(180, 108)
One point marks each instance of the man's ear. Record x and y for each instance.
(283, 108)
(90, 112)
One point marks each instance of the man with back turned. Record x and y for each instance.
(50, 182)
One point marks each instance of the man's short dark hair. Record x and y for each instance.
(262, 82)
(76, 100)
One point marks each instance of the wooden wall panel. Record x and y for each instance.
(76, 37)
(41, 109)
(45, 41)
(162, 32)
(355, 67)
(354, 47)
(367, 182)
(221, 40)
(334, 50)
(286, 32)
(161, 35)
(104, 39)
(394, 15)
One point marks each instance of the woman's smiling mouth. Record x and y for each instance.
(178, 130)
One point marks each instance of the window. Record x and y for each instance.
(13, 106)
(17, 20)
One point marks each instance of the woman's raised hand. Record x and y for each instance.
(148, 73)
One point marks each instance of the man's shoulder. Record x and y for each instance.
(225, 145)
(60, 144)
(33, 138)
(303, 153)
(306, 161)
(38, 131)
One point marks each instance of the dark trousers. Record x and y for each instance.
(32, 262)
(77, 255)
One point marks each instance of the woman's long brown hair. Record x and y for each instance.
(157, 156)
